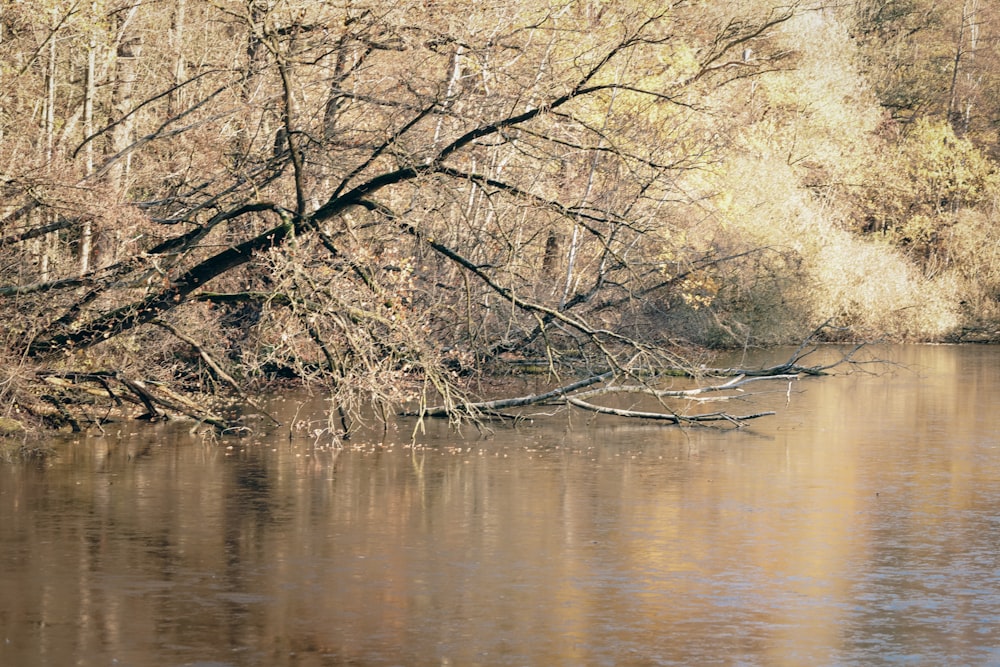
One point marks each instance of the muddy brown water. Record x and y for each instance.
(859, 526)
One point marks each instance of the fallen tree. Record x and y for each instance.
(572, 394)
(81, 400)
(580, 394)
(158, 400)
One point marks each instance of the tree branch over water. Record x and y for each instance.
(579, 394)
(377, 204)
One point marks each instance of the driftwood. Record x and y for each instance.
(493, 408)
(577, 394)
(571, 395)
(667, 416)
(151, 395)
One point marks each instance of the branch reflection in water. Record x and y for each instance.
(856, 525)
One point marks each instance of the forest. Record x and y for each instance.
(389, 201)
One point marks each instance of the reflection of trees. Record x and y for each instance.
(643, 539)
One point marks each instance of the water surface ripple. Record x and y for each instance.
(859, 526)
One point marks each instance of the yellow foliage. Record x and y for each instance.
(816, 109)
(821, 270)
(699, 289)
(915, 192)
(945, 172)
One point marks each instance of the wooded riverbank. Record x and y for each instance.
(206, 199)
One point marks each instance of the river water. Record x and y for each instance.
(858, 526)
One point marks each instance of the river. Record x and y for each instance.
(858, 526)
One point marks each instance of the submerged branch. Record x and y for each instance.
(572, 395)
(491, 407)
(692, 394)
(151, 395)
(666, 416)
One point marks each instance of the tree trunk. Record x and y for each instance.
(49, 119)
(959, 109)
(129, 51)
(89, 91)
(180, 68)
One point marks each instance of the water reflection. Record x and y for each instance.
(858, 526)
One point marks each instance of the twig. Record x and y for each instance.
(214, 365)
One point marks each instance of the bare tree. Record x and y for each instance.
(375, 195)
